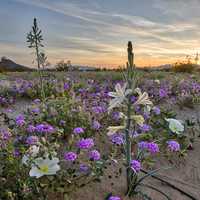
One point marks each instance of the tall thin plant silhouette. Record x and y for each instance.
(34, 39)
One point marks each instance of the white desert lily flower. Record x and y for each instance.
(119, 95)
(143, 98)
(139, 119)
(113, 129)
(175, 125)
(32, 153)
(44, 167)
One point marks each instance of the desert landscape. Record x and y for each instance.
(110, 125)
(177, 98)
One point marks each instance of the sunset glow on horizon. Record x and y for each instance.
(95, 32)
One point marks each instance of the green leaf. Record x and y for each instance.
(144, 196)
(150, 174)
(156, 189)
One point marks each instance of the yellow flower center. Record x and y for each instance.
(175, 128)
(44, 168)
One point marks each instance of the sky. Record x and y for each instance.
(96, 32)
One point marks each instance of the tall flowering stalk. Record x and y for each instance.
(128, 98)
(129, 78)
(34, 38)
(122, 99)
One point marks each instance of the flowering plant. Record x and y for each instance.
(139, 138)
(53, 153)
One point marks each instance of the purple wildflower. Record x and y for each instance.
(85, 143)
(98, 109)
(36, 101)
(70, 156)
(96, 125)
(78, 130)
(16, 153)
(30, 129)
(9, 110)
(20, 120)
(162, 93)
(31, 140)
(44, 128)
(94, 155)
(116, 116)
(66, 86)
(153, 147)
(135, 165)
(173, 146)
(145, 128)
(62, 122)
(5, 135)
(137, 109)
(156, 110)
(83, 168)
(117, 139)
(143, 145)
(114, 198)
(35, 110)
(133, 99)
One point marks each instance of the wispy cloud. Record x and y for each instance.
(94, 32)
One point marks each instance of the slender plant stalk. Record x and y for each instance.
(39, 70)
(34, 39)
(128, 146)
(128, 121)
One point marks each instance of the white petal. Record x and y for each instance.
(124, 87)
(138, 90)
(25, 159)
(112, 94)
(113, 103)
(56, 160)
(118, 89)
(35, 172)
(110, 133)
(53, 169)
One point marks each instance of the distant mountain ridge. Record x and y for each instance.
(8, 65)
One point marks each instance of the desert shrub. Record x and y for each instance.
(184, 67)
(62, 66)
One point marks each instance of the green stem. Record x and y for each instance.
(128, 144)
(133, 181)
(128, 121)
(39, 70)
